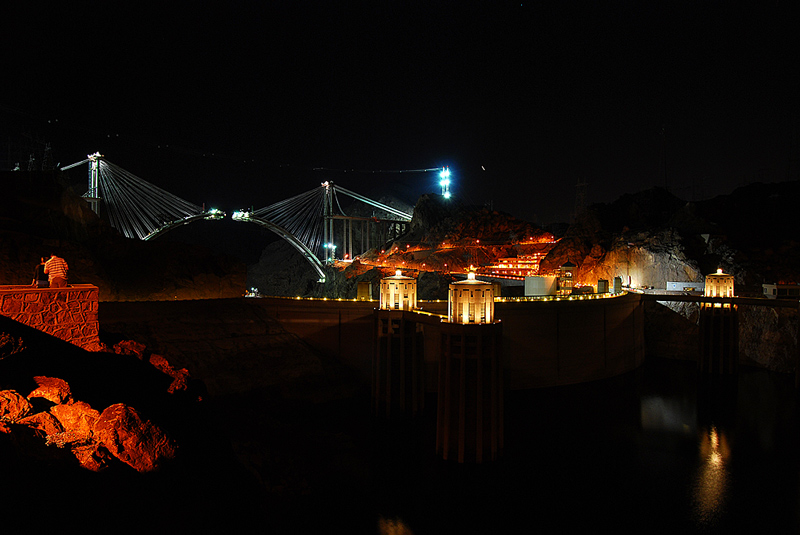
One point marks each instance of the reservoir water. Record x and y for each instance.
(659, 450)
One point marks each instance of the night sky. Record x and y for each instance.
(233, 104)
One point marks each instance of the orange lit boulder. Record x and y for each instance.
(77, 419)
(180, 377)
(13, 406)
(131, 439)
(91, 456)
(51, 389)
(43, 421)
(130, 347)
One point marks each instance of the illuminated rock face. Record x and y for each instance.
(66, 313)
(44, 422)
(131, 439)
(77, 419)
(87, 433)
(52, 389)
(13, 406)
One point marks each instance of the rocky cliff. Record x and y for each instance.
(653, 237)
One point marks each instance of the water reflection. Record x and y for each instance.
(711, 485)
(660, 451)
(676, 415)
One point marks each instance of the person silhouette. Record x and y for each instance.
(57, 270)
(40, 278)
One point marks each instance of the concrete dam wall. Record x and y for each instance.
(545, 343)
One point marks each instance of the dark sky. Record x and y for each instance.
(211, 101)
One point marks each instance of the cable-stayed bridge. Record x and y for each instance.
(135, 207)
(312, 222)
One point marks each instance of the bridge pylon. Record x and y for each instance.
(327, 225)
(93, 193)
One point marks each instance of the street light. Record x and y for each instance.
(331, 251)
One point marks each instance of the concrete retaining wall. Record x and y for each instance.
(66, 313)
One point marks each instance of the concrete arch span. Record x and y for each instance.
(211, 214)
(288, 236)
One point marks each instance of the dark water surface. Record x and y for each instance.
(659, 450)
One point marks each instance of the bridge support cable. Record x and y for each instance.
(286, 235)
(301, 216)
(135, 207)
(298, 220)
(138, 208)
(306, 221)
(392, 211)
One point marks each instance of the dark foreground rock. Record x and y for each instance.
(109, 466)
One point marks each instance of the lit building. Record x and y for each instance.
(518, 267)
(781, 291)
(719, 284)
(471, 301)
(566, 278)
(398, 292)
(539, 285)
(719, 327)
(398, 371)
(469, 417)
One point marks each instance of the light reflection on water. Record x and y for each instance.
(711, 481)
(661, 450)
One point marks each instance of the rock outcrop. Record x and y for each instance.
(52, 389)
(13, 406)
(122, 431)
(49, 420)
(90, 435)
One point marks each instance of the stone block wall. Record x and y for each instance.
(66, 313)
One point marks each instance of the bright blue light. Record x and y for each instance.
(444, 174)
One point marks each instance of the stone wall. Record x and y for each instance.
(66, 313)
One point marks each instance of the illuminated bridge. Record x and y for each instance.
(312, 222)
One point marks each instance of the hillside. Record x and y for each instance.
(647, 238)
(41, 215)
